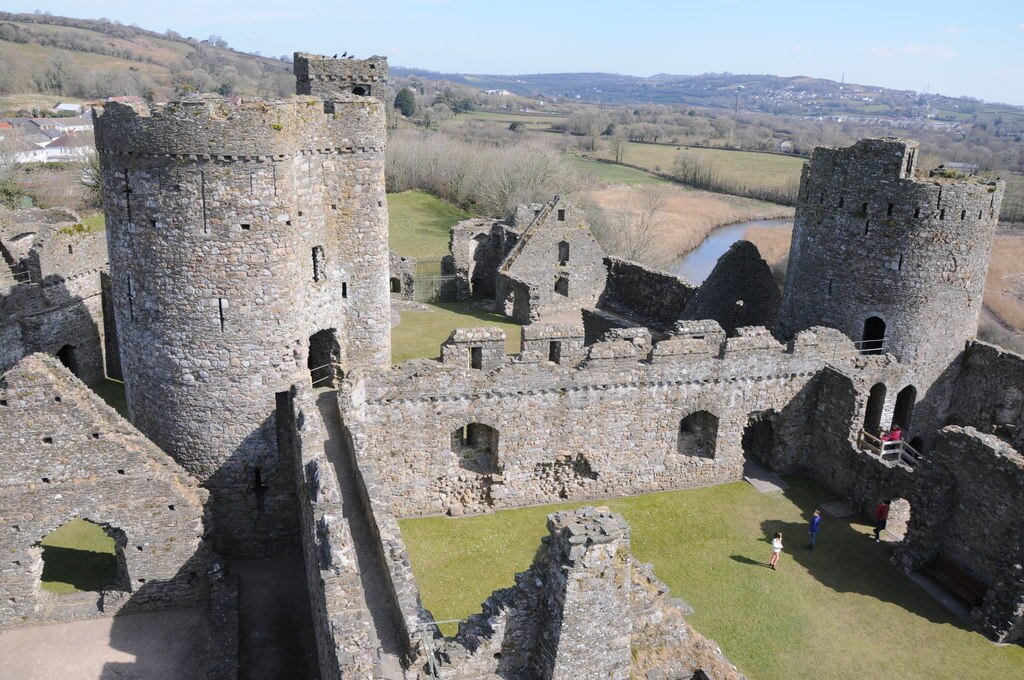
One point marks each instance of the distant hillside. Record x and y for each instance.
(89, 59)
(797, 95)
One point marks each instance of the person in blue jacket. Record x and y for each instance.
(813, 531)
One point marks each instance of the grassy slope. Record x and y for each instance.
(78, 556)
(420, 224)
(420, 334)
(839, 612)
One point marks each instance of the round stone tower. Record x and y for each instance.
(896, 263)
(248, 250)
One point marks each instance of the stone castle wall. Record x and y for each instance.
(235, 235)
(645, 294)
(71, 456)
(51, 296)
(606, 424)
(969, 512)
(870, 240)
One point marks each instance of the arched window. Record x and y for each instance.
(873, 414)
(84, 556)
(476, 446)
(904, 410)
(873, 338)
(562, 286)
(396, 285)
(698, 434)
(563, 252)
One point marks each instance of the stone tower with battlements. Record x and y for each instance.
(880, 253)
(326, 77)
(248, 249)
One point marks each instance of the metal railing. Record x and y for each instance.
(860, 347)
(426, 635)
(18, 277)
(897, 451)
(327, 371)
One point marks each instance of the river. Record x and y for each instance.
(696, 265)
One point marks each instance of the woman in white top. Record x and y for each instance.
(776, 548)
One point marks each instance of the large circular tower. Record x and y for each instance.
(896, 263)
(248, 246)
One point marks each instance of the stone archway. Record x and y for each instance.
(324, 359)
(873, 412)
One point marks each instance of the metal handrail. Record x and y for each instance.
(861, 347)
(329, 376)
(18, 277)
(423, 630)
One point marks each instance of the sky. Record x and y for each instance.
(953, 48)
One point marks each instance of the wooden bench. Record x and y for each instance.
(952, 576)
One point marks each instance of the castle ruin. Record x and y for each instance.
(250, 289)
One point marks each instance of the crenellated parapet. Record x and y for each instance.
(330, 77)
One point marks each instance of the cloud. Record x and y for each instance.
(1012, 71)
(799, 48)
(930, 51)
(954, 29)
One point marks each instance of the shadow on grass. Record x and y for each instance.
(847, 559)
(66, 570)
(746, 560)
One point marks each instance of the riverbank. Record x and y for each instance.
(687, 216)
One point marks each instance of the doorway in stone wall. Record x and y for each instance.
(873, 338)
(759, 439)
(324, 361)
(873, 412)
(68, 355)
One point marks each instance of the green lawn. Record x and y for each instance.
(112, 392)
(420, 224)
(841, 611)
(420, 334)
(615, 174)
(78, 556)
(747, 168)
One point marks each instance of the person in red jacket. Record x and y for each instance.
(881, 517)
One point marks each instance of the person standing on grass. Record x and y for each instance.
(776, 549)
(813, 530)
(881, 518)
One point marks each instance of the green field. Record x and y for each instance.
(534, 121)
(420, 334)
(746, 168)
(78, 556)
(420, 224)
(839, 612)
(614, 174)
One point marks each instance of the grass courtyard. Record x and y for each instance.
(420, 224)
(420, 334)
(841, 611)
(78, 556)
